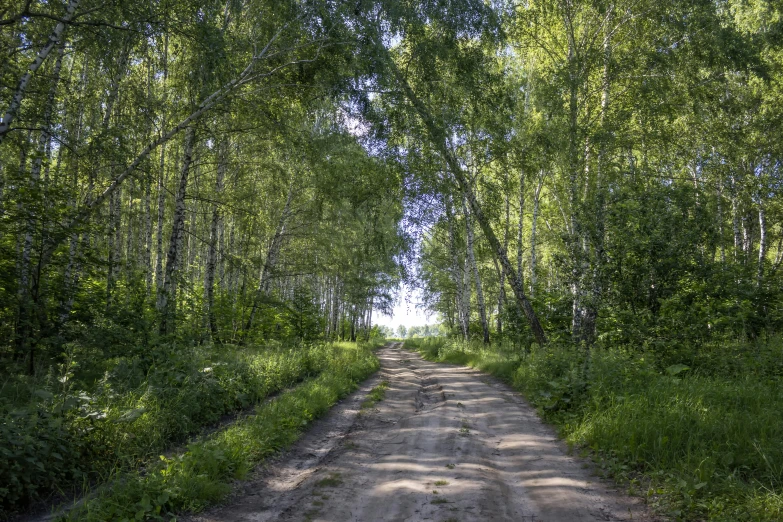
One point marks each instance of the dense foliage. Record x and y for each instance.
(627, 158)
(196, 196)
(697, 443)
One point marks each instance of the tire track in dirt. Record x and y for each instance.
(447, 443)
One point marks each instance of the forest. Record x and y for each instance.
(204, 204)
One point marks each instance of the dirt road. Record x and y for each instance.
(447, 443)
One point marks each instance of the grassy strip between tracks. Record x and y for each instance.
(701, 440)
(203, 473)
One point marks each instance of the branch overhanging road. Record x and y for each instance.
(446, 443)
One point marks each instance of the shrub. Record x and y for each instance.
(60, 431)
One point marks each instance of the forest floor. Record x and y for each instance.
(446, 443)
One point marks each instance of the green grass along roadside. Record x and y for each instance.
(700, 443)
(61, 433)
(203, 473)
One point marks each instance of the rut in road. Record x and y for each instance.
(446, 443)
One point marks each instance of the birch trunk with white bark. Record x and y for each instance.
(762, 242)
(438, 137)
(167, 297)
(502, 283)
(271, 259)
(534, 236)
(209, 281)
(474, 267)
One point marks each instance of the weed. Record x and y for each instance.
(332, 481)
(376, 395)
(439, 500)
(441, 482)
(451, 466)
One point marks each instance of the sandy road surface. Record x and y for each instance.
(447, 443)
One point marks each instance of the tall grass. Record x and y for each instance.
(65, 432)
(699, 441)
(203, 473)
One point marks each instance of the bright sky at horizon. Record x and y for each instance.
(405, 312)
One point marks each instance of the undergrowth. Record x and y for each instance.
(203, 473)
(67, 432)
(702, 440)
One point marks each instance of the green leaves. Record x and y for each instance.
(43, 394)
(130, 416)
(676, 369)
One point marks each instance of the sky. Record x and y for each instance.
(405, 312)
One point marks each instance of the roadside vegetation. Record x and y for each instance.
(203, 473)
(697, 437)
(63, 437)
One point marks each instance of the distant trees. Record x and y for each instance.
(404, 332)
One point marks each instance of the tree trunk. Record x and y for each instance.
(2, 190)
(161, 217)
(721, 243)
(335, 307)
(575, 236)
(353, 323)
(146, 259)
(271, 259)
(762, 242)
(438, 138)
(115, 198)
(209, 282)
(534, 236)
(472, 262)
(113, 244)
(597, 258)
(168, 295)
(463, 317)
(747, 241)
(18, 96)
(502, 284)
(735, 217)
(521, 225)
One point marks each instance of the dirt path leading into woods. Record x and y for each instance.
(447, 443)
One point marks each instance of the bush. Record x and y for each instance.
(60, 432)
(703, 436)
(202, 474)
